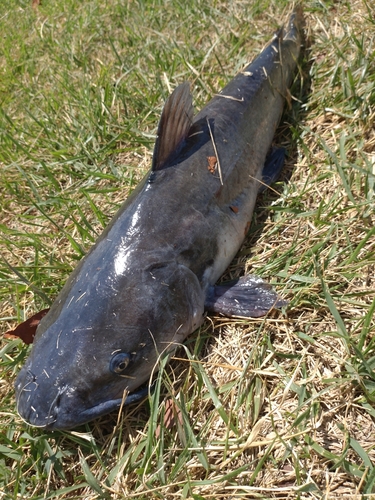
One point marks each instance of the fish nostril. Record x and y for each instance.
(30, 377)
(54, 407)
(26, 383)
(58, 397)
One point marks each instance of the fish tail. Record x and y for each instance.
(294, 26)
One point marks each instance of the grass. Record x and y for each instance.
(281, 407)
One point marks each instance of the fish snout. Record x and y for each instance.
(36, 405)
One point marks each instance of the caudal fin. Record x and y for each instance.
(294, 27)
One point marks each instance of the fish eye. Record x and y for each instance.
(119, 362)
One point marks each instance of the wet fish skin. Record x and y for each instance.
(144, 285)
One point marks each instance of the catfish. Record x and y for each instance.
(149, 280)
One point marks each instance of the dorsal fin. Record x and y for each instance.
(174, 125)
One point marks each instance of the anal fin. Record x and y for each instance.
(272, 168)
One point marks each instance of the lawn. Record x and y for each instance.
(274, 408)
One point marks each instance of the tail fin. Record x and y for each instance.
(295, 25)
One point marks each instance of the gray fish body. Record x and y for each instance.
(143, 287)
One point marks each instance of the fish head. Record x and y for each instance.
(91, 351)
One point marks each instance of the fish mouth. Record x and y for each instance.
(112, 405)
(62, 416)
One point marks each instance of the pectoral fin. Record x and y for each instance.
(248, 297)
